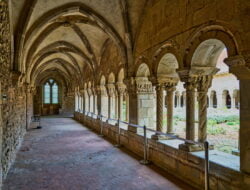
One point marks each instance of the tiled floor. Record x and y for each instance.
(64, 155)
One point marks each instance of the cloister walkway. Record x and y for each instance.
(64, 155)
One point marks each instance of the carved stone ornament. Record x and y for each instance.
(235, 61)
(143, 85)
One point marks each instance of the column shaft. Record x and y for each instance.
(159, 114)
(170, 109)
(244, 126)
(202, 132)
(190, 111)
(120, 102)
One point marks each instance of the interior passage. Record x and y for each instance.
(66, 155)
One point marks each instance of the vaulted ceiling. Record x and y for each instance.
(68, 37)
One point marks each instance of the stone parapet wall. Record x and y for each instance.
(184, 165)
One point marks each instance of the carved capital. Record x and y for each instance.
(111, 89)
(121, 88)
(239, 65)
(204, 83)
(143, 85)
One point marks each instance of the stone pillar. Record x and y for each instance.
(190, 110)
(220, 103)
(86, 101)
(159, 113)
(127, 107)
(170, 108)
(117, 97)
(121, 90)
(140, 102)
(203, 85)
(99, 100)
(233, 101)
(83, 101)
(111, 92)
(133, 104)
(109, 106)
(244, 132)
(190, 86)
(94, 99)
(89, 100)
(239, 67)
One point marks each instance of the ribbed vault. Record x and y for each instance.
(68, 38)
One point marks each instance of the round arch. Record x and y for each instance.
(221, 37)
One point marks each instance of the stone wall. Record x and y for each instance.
(68, 104)
(12, 98)
(184, 165)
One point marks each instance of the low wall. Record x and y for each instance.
(183, 165)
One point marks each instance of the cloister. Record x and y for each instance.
(152, 76)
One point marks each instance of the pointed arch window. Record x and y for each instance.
(51, 92)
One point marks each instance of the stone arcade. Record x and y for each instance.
(129, 60)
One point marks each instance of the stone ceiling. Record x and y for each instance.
(69, 36)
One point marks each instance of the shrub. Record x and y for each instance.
(223, 119)
(215, 130)
(231, 123)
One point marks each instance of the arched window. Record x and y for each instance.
(47, 93)
(50, 92)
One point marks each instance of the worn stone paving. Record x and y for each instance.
(64, 155)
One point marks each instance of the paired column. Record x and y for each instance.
(121, 90)
(203, 86)
(111, 92)
(83, 101)
(170, 107)
(99, 100)
(94, 99)
(159, 112)
(190, 87)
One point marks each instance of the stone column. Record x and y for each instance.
(78, 102)
(94, 99)
(219, 100)
(83, 101)
(190, 110)
(109, 106)
(86, 100)
(203, 85)
(111, 91)
(233, 102)
(239, 67)
(117, 96)
(89, 100)
(140, 102)
(133, 104)
(190, 86)
(121, 90)
(170, 108)
(127, 107)
(99, 100)
(159, 113)
(244, 143)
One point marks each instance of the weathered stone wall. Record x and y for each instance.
(12, 97)
(68, 104)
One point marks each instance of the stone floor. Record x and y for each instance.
(64, 155)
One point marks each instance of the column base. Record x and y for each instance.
(158, 137)
(236, 152)
(132, 129)
(193, 147)
(171, 138)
